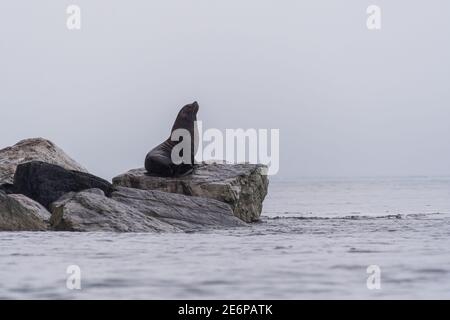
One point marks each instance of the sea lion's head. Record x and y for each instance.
(186, 117)
(190, 109)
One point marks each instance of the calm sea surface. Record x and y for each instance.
(316, 239)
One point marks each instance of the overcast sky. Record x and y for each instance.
(348, 101)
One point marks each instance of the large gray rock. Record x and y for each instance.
(46, 183)
(19, 213)
(33, 149)
(133, 210)
(242, 186)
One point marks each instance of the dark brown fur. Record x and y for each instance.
(158, 161)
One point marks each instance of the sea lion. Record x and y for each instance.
(159, 160)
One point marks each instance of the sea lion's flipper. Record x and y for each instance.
(183, 170)
(158, 166)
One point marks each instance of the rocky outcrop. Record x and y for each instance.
(242, 186)
(46, 183)
(33, 149)
(19, 213)
(132, 210)
(41, 188)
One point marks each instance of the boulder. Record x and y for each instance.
(33, 149)
(19, 213)
(46, 183)
(242, 186)
(133, 210)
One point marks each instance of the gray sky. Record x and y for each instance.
(348, 101)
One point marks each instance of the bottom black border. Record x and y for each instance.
(221, 309)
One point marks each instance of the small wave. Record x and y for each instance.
(355, 250)
(354, 217)
(433, 270)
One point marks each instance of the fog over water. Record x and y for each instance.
(348, 101)
(364, 141)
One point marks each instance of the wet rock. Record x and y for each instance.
(46, 183)
(133, 210)
(33, 149)
(242, 186)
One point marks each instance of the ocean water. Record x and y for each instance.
(316, 239)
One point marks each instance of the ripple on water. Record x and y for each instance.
(311, 251)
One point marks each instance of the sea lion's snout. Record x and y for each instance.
(190, 109)
(195, 106)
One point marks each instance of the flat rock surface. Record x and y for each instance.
(242, 186)
(133, 210)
